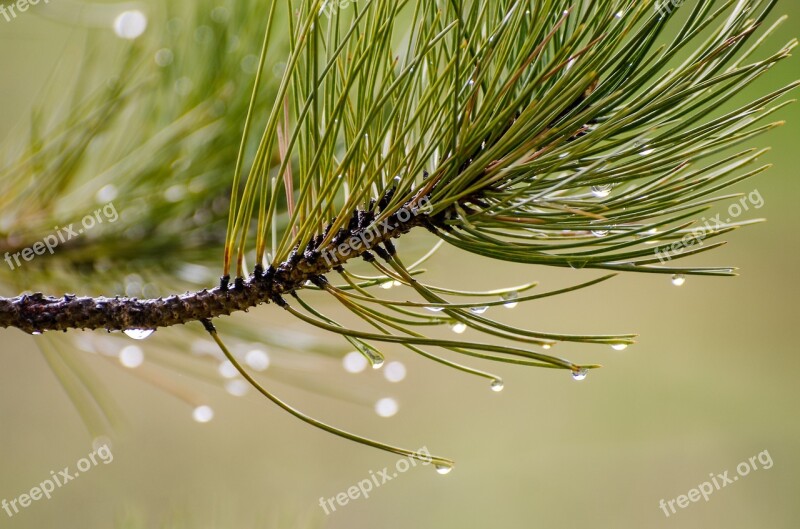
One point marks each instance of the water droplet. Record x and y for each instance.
(497, 385)
(354, 362)
(646, 152)
(443, 468)
(652, 231)
(139, 334)
(372, 355)
(386, 407)
(394, 371)
(459, 327)
(678, 279)
(619, 346)
(577, 265)
(130, 24)
(203, 413)
(396, 283)
(563, 155)
(599, 233)
(601, 191)
(131, 356)
(37, 333)
(237, 388)
(257, 359)
(580, 374)
(511, 298)
(435, 309)
(547, 346)
(478, 310)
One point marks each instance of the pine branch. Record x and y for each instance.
(37, 313)
(549, 132)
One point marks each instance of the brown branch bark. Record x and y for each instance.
(38, 313)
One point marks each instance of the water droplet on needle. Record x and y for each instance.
(459, 327)
(601, 191)
(511, 298)
(580, 374)
(443, 468)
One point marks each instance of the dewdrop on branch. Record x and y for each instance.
(139, 334)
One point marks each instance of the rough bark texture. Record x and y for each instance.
(38, 313)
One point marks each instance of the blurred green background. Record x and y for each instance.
(710, 384)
